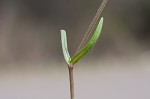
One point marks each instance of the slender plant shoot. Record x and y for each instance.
(82, 50)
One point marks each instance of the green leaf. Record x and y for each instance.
(64, 46)
(89, 45)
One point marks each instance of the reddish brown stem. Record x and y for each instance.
(70, 67)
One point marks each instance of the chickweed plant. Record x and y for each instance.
(83, 49)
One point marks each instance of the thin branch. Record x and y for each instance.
(92, 25)
(70, 67)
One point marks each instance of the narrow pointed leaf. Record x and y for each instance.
(64, 46)
(89, 45)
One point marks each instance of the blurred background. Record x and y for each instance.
(31, 61)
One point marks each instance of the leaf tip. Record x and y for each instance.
(64, 46)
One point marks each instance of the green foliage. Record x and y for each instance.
(64, 46)
(83, 51)
(89, 45)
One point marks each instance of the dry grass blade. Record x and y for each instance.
(92, 25)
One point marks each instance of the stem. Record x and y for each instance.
(92, 24)
(70, 67)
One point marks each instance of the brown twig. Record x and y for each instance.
(70, 67)
(92, 25)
